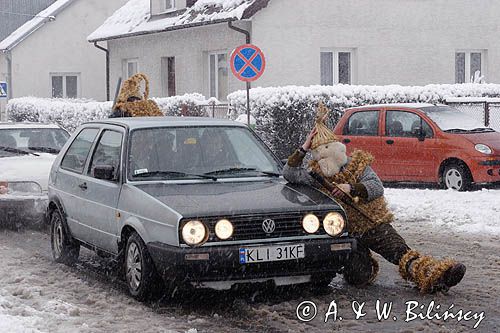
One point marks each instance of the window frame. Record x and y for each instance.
(64, 75)
(125, 63)
(467, 64)
(88, 166)
(335, 64)
(90, 152)
(217, 92)
(422, 121)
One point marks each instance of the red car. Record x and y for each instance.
(423, 143)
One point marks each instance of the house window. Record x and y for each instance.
(130, 67)
(169, 5)
(168, 76)
(336, 66)
(218, 75)
(470, 65)
(65, 85)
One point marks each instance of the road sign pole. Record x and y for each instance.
(248, 103)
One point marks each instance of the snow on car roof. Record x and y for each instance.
(27, 125)
(400, 105)
(134, 18)
(145, 122)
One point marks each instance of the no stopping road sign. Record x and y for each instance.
(248, 62)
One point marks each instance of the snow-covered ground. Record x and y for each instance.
(475, 211)
(37, 295)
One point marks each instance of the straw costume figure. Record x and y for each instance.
(132, 103)
(354, 177)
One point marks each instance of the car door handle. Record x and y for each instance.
(390, 142)
(83, 186)
(346, 140)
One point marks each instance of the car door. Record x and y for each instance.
(100, 197)
(362, 131)
(406, 155)
(69, 177)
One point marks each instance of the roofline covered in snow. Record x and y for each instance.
(39, 20)
(247, 14)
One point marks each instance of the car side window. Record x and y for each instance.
(76, 156)
(364, 123)
(406, 124)
(107, 152)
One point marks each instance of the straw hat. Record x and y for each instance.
(324, 135)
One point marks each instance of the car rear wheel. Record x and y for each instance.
(140, 272)
(65, 249)
(456, 177)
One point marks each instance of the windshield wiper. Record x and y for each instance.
(233, 170)
(172, 173)
(45, 150)
(482, 129)
(17, 151)
(456, 130)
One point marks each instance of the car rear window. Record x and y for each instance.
(362, 123)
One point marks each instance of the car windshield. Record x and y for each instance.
(454, 120)
(23, 141)
(198, 153)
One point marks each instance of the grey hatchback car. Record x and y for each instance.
(190, 202)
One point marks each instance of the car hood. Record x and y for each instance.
(27, 168)
(491, 139)
(237, 198)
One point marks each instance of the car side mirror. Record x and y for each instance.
(104, 172)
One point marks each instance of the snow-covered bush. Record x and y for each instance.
(284, 115)
(70, 113)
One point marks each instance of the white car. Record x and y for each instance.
(27, 151)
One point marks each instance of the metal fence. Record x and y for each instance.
(220, 111)
(486, 110)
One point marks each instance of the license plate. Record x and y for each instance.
(251, 255)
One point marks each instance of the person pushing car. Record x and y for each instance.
(352, 177)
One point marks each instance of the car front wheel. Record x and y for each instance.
(140, 272)
(65, 249)
(456, 177)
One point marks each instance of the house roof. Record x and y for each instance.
(34, 24)
(134, 18)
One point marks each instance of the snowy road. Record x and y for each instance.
(37, 295)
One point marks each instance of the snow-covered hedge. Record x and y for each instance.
(70, 113)
(284, 115)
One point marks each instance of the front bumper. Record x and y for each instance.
(485, 170)
(23, 210)
(323, 257)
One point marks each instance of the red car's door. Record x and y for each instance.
(362, 131)
(405, 156)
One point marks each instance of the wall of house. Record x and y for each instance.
(408, 42)
(61, 47)
(190, 47)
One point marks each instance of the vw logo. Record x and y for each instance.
(268, 226)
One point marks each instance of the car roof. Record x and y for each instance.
(395, 105)
(148, 122)
(11, 125)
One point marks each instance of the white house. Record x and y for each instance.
(49, 55)
(184, 46)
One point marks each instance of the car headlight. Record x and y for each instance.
(224, 229)
(334, 224)
(483, 149)
(194, 233)
(20, 188)
(310, 223)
